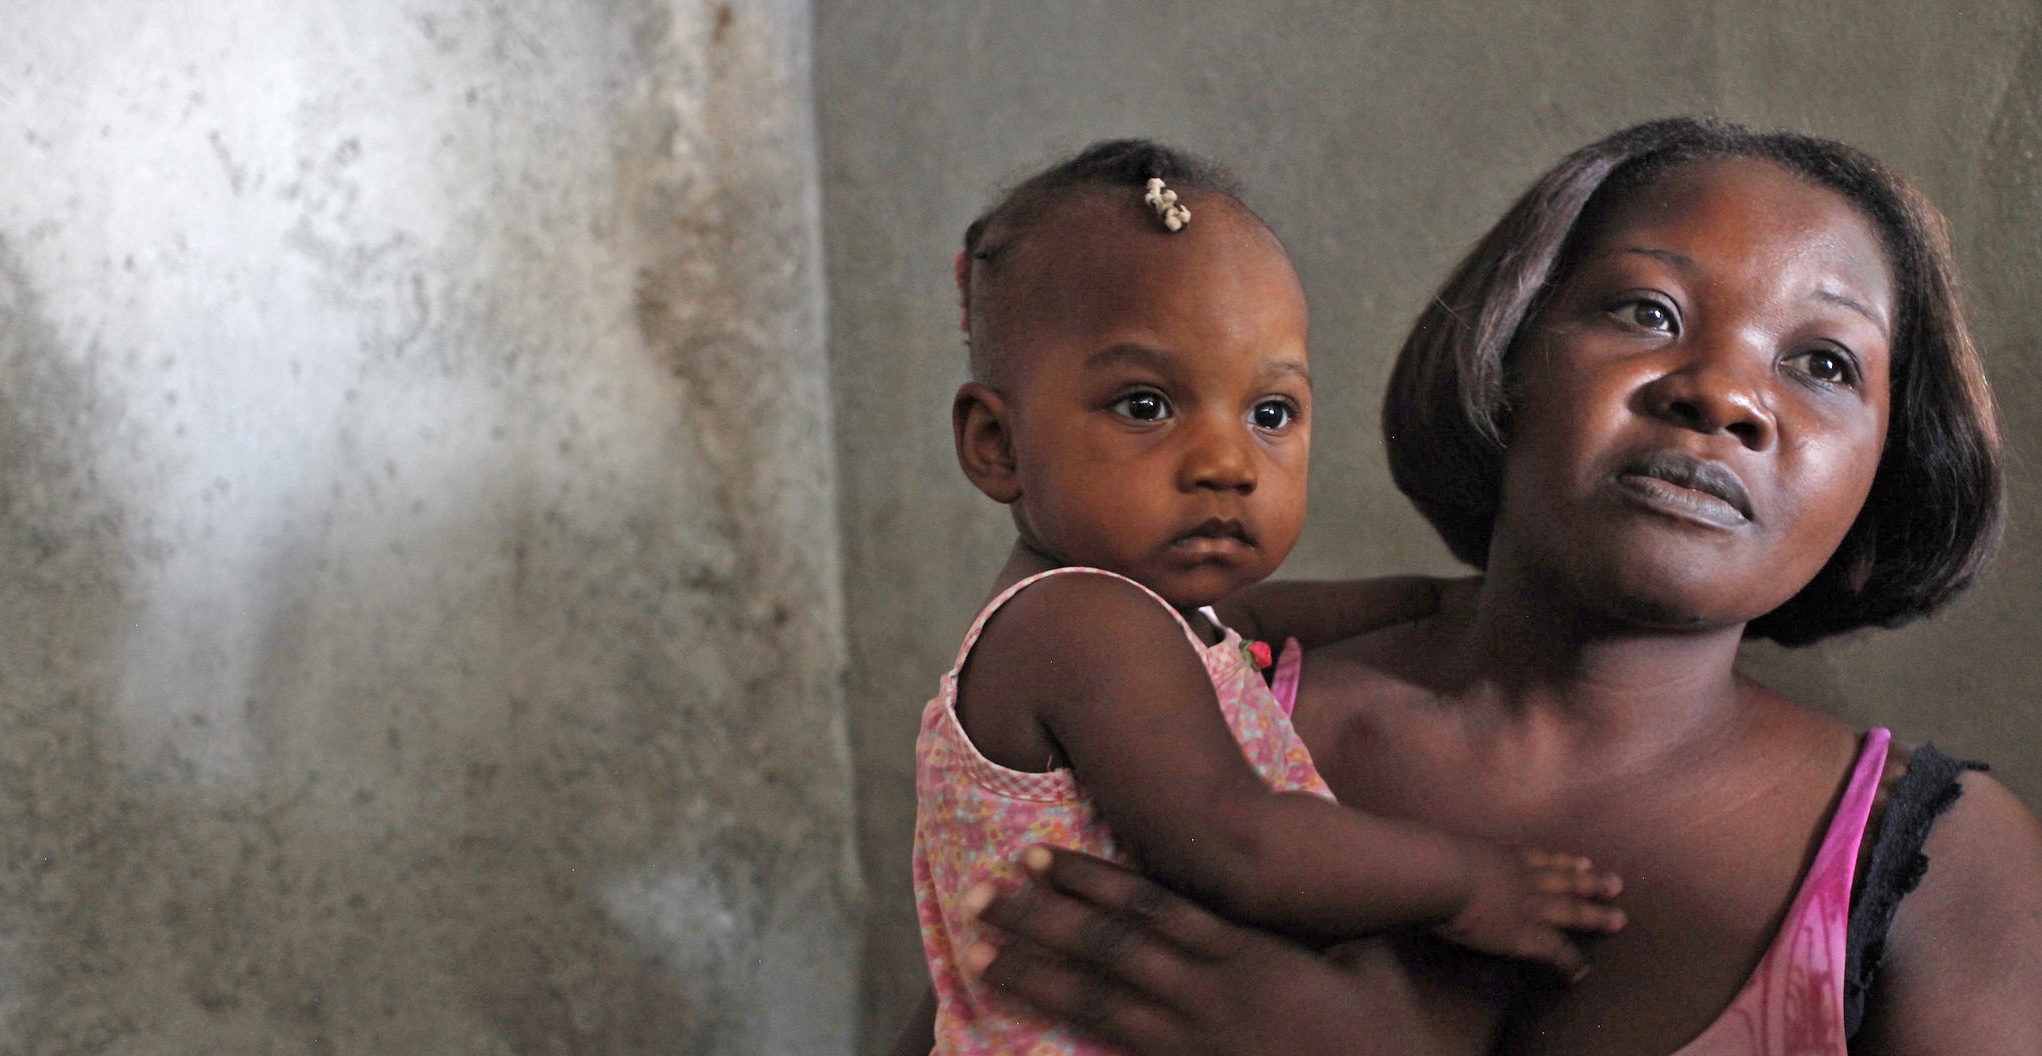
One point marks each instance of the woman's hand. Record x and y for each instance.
(1106, 950)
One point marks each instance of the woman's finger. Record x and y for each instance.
(1126, 893)
(1092, 944)
(1099, 941)
(1056, 988)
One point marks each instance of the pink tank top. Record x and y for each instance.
(1793, 1003)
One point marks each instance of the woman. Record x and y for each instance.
(1698, 383)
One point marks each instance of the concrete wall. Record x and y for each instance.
(418, 557)
(1380, 139)
(419, 547)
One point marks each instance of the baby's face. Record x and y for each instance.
(1160, 398)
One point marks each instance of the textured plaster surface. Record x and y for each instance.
(418, 549)
(1380, 139)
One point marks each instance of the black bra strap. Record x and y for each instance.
(1923, 793)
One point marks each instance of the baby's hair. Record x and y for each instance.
(1932, 520)
(991, 240)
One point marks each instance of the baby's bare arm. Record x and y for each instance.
(1316, 612)
(1126, 700)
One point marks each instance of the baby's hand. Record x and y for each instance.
(1525, 902)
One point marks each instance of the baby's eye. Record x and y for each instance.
(1143, 406)
(1273, 414)
(1826, 365)
(1648, 315)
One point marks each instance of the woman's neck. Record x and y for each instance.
(1551, 661)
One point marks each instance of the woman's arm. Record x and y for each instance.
(1317, 612)
(918, 1035)
(1099, 947)
(1963, 965)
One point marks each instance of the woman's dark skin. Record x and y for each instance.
(1582, 693)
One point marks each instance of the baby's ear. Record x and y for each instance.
(985, 444)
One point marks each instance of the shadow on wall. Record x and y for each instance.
(292, 911)
(518, 755)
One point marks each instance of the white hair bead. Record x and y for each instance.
(1164, 201)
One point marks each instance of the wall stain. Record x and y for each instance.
(65, 566)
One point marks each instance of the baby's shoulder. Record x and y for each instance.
(1078, 626)
(1077, 604)
(1058, 648)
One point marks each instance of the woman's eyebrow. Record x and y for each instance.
(1687, 263)
(1678, 260)
(1834, 297)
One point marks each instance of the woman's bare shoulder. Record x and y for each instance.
(1962, 970)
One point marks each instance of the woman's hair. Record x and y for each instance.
(1932, 519)
(991, 240)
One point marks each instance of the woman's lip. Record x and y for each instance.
(1689, 473)
(1688, 504)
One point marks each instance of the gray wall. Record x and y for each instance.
(428, 619)
(1380, 139)
(418, 556)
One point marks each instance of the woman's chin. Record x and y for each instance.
(1654, 600)
(1668, 615)
(1677, 591)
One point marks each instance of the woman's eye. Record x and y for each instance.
(1826, 365)
(1649, 315)
(1272, 414)
(1143, 406)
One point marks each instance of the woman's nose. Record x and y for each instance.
(1217, 456)
(1718, 388)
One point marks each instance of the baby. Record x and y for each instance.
(1141, 400)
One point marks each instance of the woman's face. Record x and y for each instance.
(1700, 409)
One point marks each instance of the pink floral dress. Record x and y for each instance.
(974, 817)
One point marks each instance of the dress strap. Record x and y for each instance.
(1829, 876)
(1837, 859)
(1290, 667)
(978, 625)
(1793, 1002)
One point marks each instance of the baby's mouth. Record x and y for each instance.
(1215, 534)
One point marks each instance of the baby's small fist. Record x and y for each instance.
(1524, 904)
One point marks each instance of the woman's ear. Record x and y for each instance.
(985, 443)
